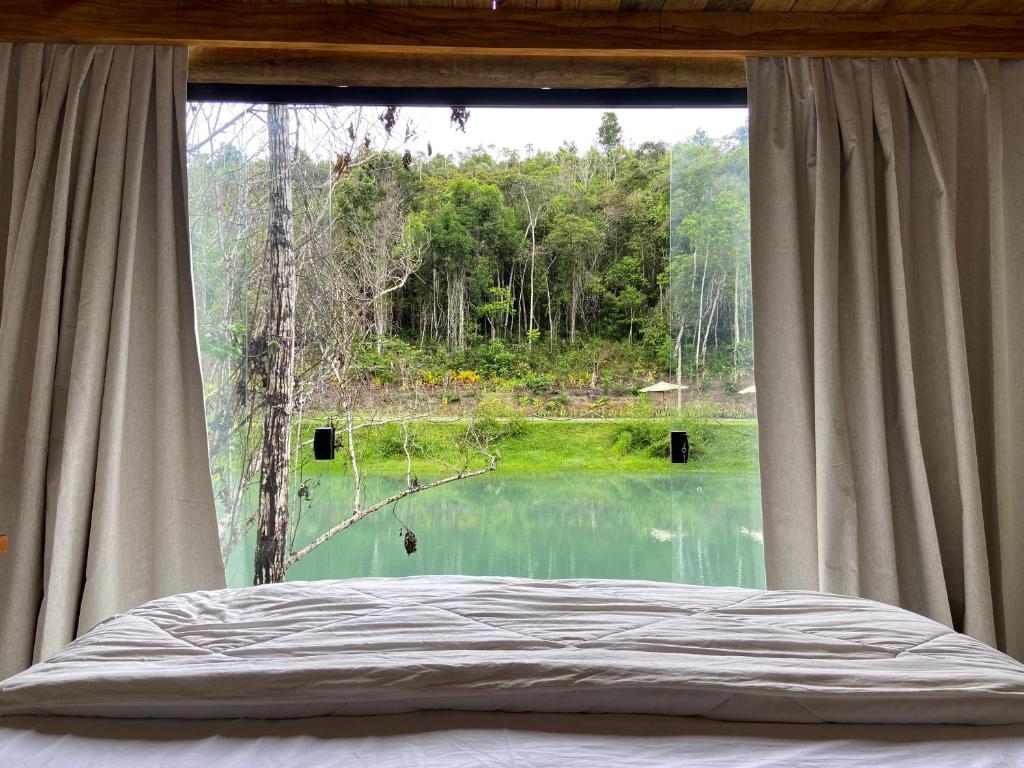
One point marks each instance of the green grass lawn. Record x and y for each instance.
(529, 446)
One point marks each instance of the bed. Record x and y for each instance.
(496, 671)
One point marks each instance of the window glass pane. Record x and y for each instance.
(476, 313)
(711, 394)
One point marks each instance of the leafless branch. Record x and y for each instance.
(359, 514)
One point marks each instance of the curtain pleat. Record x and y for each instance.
(887, 225)
(104, 485)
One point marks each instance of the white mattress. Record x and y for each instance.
(598, 659)
(496, 739)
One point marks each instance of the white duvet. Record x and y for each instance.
(383, 646)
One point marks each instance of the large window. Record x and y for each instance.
(502, 315)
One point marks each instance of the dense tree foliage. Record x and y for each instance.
(571, 246)
(635, 255)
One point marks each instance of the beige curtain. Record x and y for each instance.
(104, 485)
(887, 223)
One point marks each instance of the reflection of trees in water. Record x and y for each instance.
(691, 528)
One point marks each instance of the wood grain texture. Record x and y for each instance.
(323, 26)
(258, 65)
(810, 6)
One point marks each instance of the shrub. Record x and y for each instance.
(623, 442)
(495, 407)
(537, 383)
(388, 442)
(650, 437)
(495, 430)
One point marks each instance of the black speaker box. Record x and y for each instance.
(323, 443)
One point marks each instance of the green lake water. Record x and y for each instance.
(684, 527)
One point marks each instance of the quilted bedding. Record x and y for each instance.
(383, 646)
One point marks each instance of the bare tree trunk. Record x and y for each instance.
(736, 321)
(700, 320)
(381, 324)
(435, 291)
(577, 296)
(533, 261)
(714, 296)
(271, 537)
(679, 367)
(552, 330)
(462, 317)
(456, 310)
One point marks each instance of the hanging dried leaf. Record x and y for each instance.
(460, 115)
(341, 164)
(410, 542)
(389, 118)
(408, 537)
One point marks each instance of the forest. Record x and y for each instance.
(347, 273)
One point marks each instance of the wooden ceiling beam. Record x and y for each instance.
(466, 70)
(317, 25)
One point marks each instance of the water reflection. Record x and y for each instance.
(685, 527)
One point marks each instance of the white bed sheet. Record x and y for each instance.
(477, 739)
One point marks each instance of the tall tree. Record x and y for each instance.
(624, 287)
(279, 334)
(575, 239)
(609, 133)
(472, 234)
(532, 191)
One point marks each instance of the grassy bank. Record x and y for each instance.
(532, 446)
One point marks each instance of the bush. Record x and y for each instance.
(640, 407)
(623, 442)
(650, 437)
(537, 383)
(387, 442)
(497, 359)
(493, 429)
(467, 377)
(495, 407)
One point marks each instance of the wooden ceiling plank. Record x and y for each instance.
(955, 6)
(819, 6)
(511, 31)
(263, 66)
(729, 5)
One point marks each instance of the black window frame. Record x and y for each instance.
(553, 98)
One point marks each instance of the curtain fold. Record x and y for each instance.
(105, 490)
(887, 229)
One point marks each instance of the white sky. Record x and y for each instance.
(548, 129)
(323, 132)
